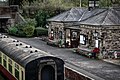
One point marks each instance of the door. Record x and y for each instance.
(74, 39)
(48, 73)
(2, 26)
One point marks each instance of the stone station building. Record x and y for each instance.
(59, 26)
(87, 28)
(102, 29)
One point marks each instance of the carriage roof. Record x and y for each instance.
(19, 51)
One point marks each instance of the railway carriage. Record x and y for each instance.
(19, 61)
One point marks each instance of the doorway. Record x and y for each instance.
(74, 38)
(3, 26)
(48, 73)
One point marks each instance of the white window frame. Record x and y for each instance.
(97, 43)
(82, 39)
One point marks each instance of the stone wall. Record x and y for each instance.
(57, 27)
(72, 75)
(108, 37)
(111, 39)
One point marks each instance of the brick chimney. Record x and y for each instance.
(93, 4)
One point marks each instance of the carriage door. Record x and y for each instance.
(48, 73)
(47, 70)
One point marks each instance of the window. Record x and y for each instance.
(60, 34)
(51, 36)
(0, 58)
(22, 76)
(10, 68)
(4, 61)
(4, 57)
(56, 33)
(82, 39)
(95, 34)
(17, 71)
(91, 3)
(10, 61)
(96, 43)
(17, 74)
(74, 34)
(10, 65)
(16, 66)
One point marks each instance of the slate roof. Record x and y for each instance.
(73, 14)
(102, 17)
(97, 16)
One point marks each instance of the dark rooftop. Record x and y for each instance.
(98, 16)
(73, 14)
(109, 16)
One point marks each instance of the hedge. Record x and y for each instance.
(41, 31)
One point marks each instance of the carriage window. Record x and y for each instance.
(22, 76)
(0, 58)
(10, 68)
(16, 66)
(10, 65)
(10, 61)
(4, 61)
(4, 57)
(17, 74)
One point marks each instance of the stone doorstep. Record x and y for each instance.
(112, 61)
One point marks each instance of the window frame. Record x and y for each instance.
(5, 61)
(10, 64)
(16, 69)
(0, 58)
(82, 41)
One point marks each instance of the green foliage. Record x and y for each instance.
(29, 30)
(12, 30)
(41, 31)
(105, 3)
(46, 13)
(23, 30)
(41, 18)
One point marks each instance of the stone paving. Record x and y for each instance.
(113, 61)
(91, 67)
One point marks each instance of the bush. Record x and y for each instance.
(12, 30)
(29, 30)
(41, 31)
(23, 30)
